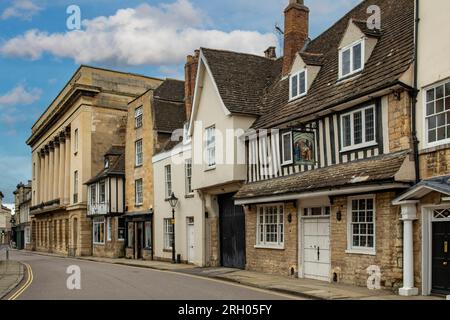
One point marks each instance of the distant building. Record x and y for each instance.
(22, 221)
(5, 222)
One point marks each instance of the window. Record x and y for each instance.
(108, 228)
(358, 129)
(315, 212)
(168, 174)
(286, 145)
(75, 187)
(27, 235)
(130, 243)
(99, 231)
(270, 226)
(188, 170)
(138, 118)
(351, 59)
(168, 234)
(93, 198)
(437, 117)
(297, 85)
(121, 228)
(138, 149)
(362, 224)
(102, 192)
(148, 235)
(138, 192)
(75, 141)
(211, 146)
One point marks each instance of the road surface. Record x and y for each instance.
(102, 281)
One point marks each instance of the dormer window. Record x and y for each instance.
(106, 163)
(351, 59)
(297, 85)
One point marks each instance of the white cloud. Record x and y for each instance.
(153, 35)
(19, 96)
(22, 9)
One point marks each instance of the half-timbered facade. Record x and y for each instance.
(332, 149)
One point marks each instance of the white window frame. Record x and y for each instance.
(364, 144)
(168, 180)
(341, 53)
(139, 196)
(270, 245)
(168, 233)
(138, 117)
(100, 200)
(425, 117)
(360, 250)
(210, 134)
(139, 155)
(95, 223)
(93, 194)
(147, 227)
(299, 94)
(108, 229)
(285, 162)
(188, 176)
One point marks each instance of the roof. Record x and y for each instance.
(390, 59)
(378, 169)
(116, 166)
(438, 184)
(241, 78)
(170, 89)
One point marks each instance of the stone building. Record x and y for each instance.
(68, 143)
(5, 222)
(152, 119)
(22, 221)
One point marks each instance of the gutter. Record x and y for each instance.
(415, 94)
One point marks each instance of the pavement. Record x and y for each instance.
(53, 278)
(305, 288)
(11, 274)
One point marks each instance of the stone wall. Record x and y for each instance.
(271, 260)
(435, 162)
(351, 268)
(111, 249)
(399, 122)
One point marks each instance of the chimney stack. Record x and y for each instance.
(296, 30)
(271, 53)
(190, 72)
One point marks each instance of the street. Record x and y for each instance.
(102, 281)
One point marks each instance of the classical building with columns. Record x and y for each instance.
(68, 143)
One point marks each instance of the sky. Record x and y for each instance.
(39, 53)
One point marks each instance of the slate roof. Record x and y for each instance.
(242, 78)
(391, 57)
(116, 167)
(424, 187)
(378, 169)
(168, 106)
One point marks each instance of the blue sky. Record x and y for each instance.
(38, 54)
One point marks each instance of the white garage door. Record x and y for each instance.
(316, 248)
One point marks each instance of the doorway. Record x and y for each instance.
(440, 257)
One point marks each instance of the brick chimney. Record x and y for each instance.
(296, 30)
(190, 74)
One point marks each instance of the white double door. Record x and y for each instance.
(316, 248)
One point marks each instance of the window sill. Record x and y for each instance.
(189, 196)
(167, 250)
(138, 166)
(350, 75)
(140, 205)
(298, 97)
(210, 168)
(267, 247)
(359, 147)
(434, 147)
(98, 244)
(361, 252)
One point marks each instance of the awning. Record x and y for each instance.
(396, 169)
(423, 188)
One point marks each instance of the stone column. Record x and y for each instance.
(67, 171)
(409, 215)
(46, 188)
(56, 171)
(37, 178)
(51, 170)
(41, 181)
(62, 159)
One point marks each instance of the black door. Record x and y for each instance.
(441, 257)
(139, 240)
(232, 232)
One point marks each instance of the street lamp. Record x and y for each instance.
(173, 201)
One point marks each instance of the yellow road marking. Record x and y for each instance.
(26, 285)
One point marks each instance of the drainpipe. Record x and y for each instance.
(415, 94)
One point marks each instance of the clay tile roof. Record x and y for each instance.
(391, 57)
(115, 151)
(312, 59)
(170, 89)
(362, 25)
(363, 172)
(241, 78)
(116, 166)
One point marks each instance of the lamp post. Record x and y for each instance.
(173, 201)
